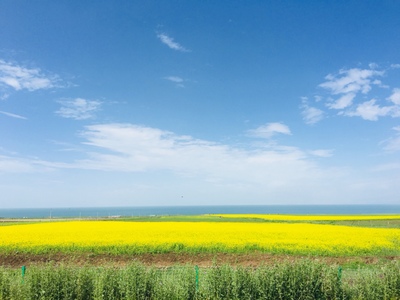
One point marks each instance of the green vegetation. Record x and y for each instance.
(364, 223)
(390, 223)
(300, 280)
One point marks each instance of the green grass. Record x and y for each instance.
(365, 223)
(301, 280)
(199, 218)
(394, 223)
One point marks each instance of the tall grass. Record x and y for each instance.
(300, 280)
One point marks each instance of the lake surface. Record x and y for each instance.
(94, 212)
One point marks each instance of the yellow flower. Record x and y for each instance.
(132, 237)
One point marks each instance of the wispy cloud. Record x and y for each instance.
(165, 39)
(350, 81)
(258, 172)
(177, 80)
(311, 115)
(395, 97)
(322, 152)
(393, 144)
(133, 148)
(370, 111)
(386, 167)
(270, 129)
(4, 96)
(78, 108)
(18, 77)
(11, 164)
(348, 92)
(343, 102)
(12, 115)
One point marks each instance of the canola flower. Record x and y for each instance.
(137, 237)
(309, 217)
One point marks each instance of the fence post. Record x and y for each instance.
(339, 274)
(197, 277)
(23, 270)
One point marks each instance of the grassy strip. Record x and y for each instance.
(301, 280)
(364, 223)
(375, 221)
(310, 217)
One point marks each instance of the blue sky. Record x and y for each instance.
(133, 103)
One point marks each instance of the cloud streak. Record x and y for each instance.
(268, 130)
(10, 164)
(165, 39)
(8, 114)
(78, 108)
(177, 80)
(322, 152)
(393, 144)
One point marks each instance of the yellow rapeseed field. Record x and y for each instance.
(136, 237)
(310, 217)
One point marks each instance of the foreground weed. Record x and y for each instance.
(303, 280)
(375, 284)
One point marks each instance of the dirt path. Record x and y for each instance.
(169, 259)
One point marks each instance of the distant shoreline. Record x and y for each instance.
(114, 212)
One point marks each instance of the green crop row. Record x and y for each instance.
(300, 280)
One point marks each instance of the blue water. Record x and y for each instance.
(198, 210)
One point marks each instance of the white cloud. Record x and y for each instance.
(350, 81)
(165, 39)
(132, 148)
(347, 92)
(31, 79)
(371, 111)
(78, 108)
(386, 167)
(311, 115)
(268, 130)
(4, 96)
(322, 152)
(373, 65)
(169, 164)
(317, 98)
(9, 164)
(343, 102)
(395, 97)
(12, 115)
(177, 80)
(393, 144)
(380, 84)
